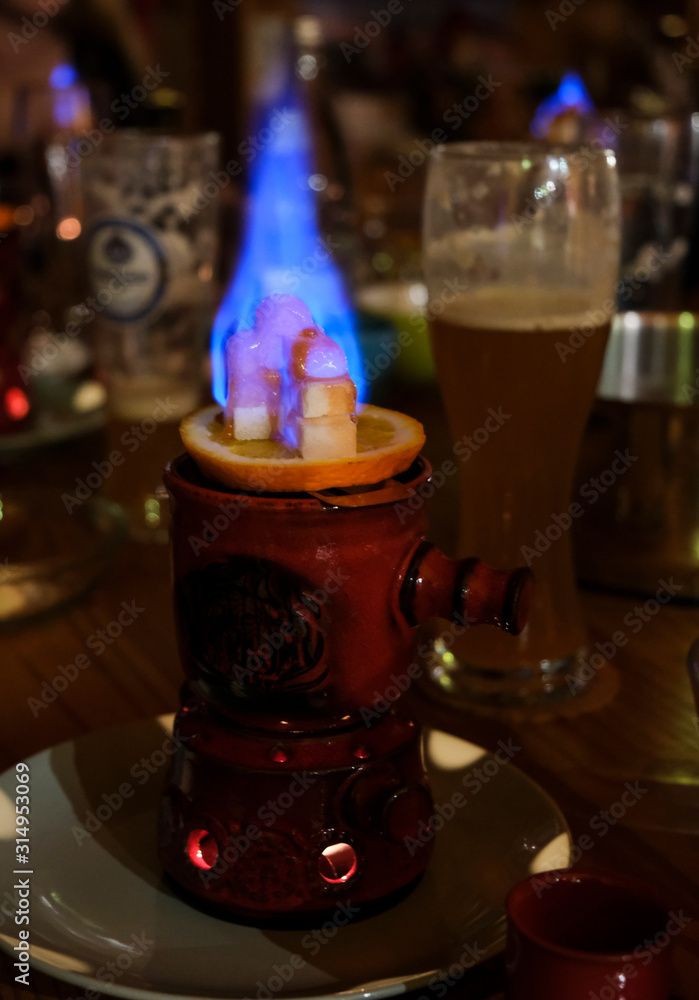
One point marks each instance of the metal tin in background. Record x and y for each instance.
(638, 474)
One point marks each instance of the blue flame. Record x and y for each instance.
(71, 102)
(282, 249)
(571, 95)
(63, 75)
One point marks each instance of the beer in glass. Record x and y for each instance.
(521, 251)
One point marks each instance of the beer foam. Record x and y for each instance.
(526, 310)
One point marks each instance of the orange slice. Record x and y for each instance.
(387, 442)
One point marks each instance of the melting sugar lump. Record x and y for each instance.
(289, 380)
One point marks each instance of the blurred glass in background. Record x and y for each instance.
(151, 204)
(47, 334)
(658, 163)
(644, 525)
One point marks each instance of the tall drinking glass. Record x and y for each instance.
(521, 255)
(151, 204)
(151, 210)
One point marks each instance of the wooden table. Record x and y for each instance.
(637, 724)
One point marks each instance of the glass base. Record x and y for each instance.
(148, 517)
(489, 688)
(53, 552)
(135, 483)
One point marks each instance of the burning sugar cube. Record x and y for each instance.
(253, 399)
(326, 398)
(290, 380)
(326, 437)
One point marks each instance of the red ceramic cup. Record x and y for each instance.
(588, 936)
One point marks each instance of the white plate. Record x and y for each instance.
(92, 901)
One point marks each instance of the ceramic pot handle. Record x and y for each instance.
(436, 586)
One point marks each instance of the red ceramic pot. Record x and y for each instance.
(296, 614)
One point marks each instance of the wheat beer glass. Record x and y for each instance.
(521, 253)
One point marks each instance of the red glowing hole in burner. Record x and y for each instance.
(202, 849)
(338, 863)
(16, 404)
